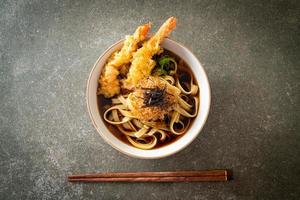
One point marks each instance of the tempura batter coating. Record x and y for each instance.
(130, 46)
(153, 113)
(142, 64)
(109, 82)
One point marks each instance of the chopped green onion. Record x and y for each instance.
(164, 66)
(165, 63)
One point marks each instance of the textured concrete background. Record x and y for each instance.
(250, 50)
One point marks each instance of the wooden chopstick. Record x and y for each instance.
(177, 176)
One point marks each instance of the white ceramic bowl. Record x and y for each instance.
(167, 150)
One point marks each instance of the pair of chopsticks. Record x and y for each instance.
(176, 176)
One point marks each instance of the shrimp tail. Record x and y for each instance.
(142, 62)
(141, 33)
(130, 46)
(164, 31)
(109, 84)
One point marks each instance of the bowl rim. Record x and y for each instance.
(141, 156)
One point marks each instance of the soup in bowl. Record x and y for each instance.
(152, 106)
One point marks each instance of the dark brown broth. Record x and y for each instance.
(103, 102)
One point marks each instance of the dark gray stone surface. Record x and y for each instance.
(250, 50)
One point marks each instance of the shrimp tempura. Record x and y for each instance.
(142, 64)
(109, 82)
